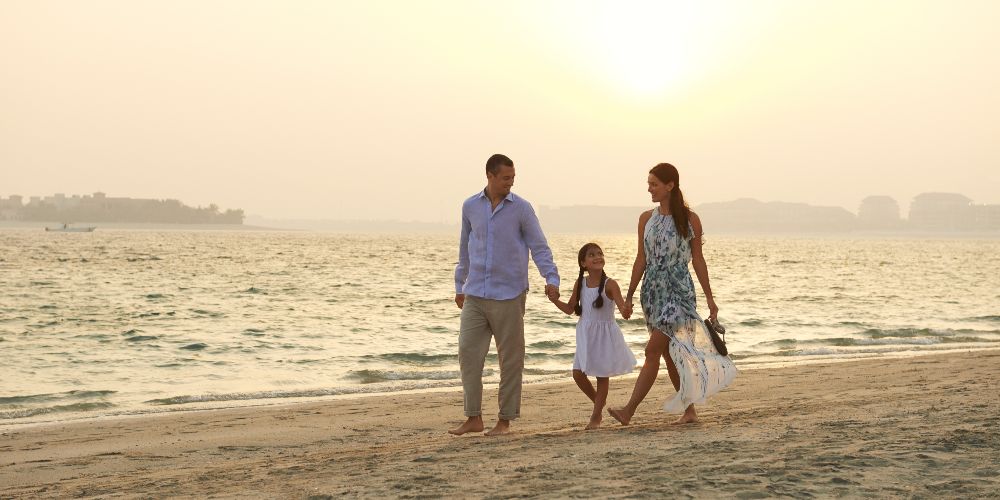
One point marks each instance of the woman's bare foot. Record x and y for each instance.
(473, 424)
(622, 415)
(689, 417)
(502, 427)
(595, 422)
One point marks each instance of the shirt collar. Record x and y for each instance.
(509, 197)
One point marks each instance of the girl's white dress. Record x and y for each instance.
(601, 350)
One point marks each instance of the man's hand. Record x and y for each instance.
(460, 300)
(552, 292)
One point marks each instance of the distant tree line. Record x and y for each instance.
(126, 210)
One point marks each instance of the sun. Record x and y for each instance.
(646, 47)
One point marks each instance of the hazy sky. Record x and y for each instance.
(379, 109)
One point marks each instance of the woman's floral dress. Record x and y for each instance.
(669, 303)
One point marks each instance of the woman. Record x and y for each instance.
(669, 238)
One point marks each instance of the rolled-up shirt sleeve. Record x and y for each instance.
(534, 238)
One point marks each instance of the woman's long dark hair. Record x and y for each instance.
(679, 210)
(599, 301)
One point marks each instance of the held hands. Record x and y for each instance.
(627, 311)
(552, 292)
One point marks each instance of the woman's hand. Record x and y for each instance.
(627, 313)
(713, 310)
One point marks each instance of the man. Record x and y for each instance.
(491, 284)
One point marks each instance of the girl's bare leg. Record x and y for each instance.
(599, 401)
(584, 384)
(655, 348)
(689, 416)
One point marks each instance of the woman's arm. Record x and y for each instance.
(568, 307)
(700, 267)
(639, 266)
(614, 293)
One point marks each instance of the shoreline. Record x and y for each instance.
(873, 427)
(227, 404)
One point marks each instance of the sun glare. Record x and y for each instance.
(646, 48)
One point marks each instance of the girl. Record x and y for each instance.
(600, 346)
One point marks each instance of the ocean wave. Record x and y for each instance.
(31, 412)
(413, 358)
(548, 344)
(41, 398)
(532, 356)
(211, 314)
(374, 376)
(546, 371)
(877, 333)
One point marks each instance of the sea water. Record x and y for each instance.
(131, 321)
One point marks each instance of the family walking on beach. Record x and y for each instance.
(499, 232)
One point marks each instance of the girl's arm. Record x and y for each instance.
(639, 266)
(614, 293)
(700, 267)
(568, 307)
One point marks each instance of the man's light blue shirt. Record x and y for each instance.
(493, 253)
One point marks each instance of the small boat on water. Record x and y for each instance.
(66, 228)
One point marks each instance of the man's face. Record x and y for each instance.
(500, 183)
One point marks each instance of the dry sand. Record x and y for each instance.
(925, 426)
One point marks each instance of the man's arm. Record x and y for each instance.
(462, 269)
(531, 230)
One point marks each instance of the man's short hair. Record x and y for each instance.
(495, 162)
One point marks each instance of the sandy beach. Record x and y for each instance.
(922, 426)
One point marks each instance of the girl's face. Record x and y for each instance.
(658, 191)
(593, 260)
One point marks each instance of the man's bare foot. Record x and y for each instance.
(473, 424)
(502, 427)
(689, 417)
(621, 415)
(595, 422)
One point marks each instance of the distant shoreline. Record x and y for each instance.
(40, 226)
(379, 227)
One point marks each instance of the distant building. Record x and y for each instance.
(100, 208)
(10, 209)
(986, 217)
(942, 212)
(749, 215)
(879, 212)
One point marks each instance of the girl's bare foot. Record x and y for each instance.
(473, 424)
(689, 417)
(502, 427)
(595, 422)
(622, 415)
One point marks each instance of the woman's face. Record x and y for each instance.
(658, 191)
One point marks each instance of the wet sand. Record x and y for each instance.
(922, 426)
